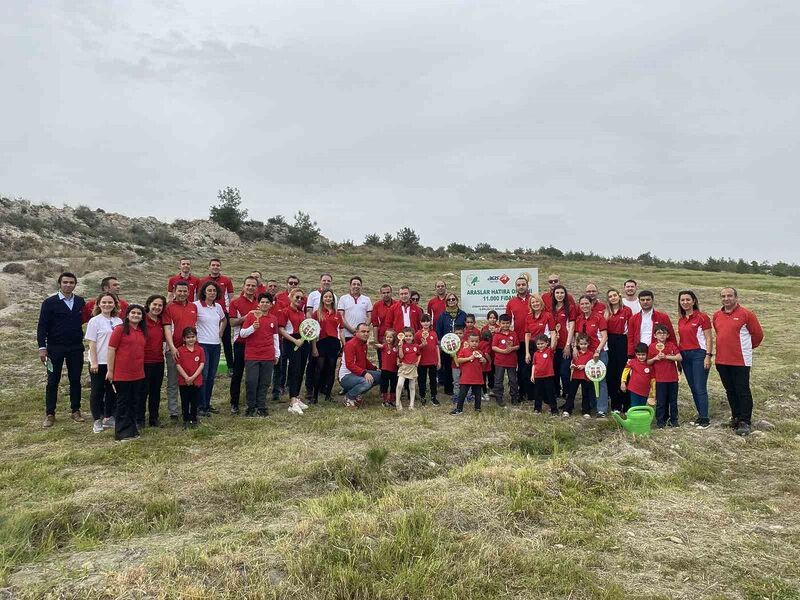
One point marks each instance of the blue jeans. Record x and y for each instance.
(637, 400)
(697, 377)
(212, 352)
(602, 400)
(355, 385)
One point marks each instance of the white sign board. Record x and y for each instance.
(483, 290)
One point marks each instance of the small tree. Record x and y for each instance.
(229, 213)
(407, 241)
(457, 248)
(484, 248)
(372, 239)
(304, 233)
(388, 241)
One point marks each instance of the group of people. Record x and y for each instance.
(540, 345)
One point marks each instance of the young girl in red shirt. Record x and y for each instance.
(191, 359)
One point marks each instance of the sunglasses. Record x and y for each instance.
(552, 281)
(415, 298)
(452, 300)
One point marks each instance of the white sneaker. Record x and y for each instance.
(295, 409)
(98, 426)
(109, 423)
(565, 414)
(301, 404)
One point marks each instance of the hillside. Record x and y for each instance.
(378, 505)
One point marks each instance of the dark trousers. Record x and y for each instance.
(464, 389)
(545, 393)
(587, 396)
(523, 371)
(237, 374)
(73, 356)
(259, 377)
(153, 378)
(513, 388)
(617, 358)
(488, 380)
(388, 381)
(297, 364)
(667, 402)
(190, 395)
(427, 372)
(446, 374)
(325, 365)
(129, 395)
(561, 368)
(230, 357)
(736, 381)
(279, 373)
(311, 375)
(102, 399)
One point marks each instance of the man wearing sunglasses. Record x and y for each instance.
(547, 298)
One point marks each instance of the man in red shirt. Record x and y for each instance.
(591, 292)
(380, 316)
(282, 298)
(179, 314)
(226, 285)
(261, 289)
(405, 313)
(108, 284)
(184, 274)
(239, 309)
(437, 304)
(641, 326)
(357, 374)
(517, 308)
(738, 334)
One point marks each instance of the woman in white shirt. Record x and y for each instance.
(210, 325)
(102, 399)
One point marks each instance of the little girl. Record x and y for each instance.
(485, 346)
(543, 376)
(191, 359)
(580, 357)
(388, 350)
(409, 360)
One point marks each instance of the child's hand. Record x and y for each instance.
(256, 324)
(623, 387)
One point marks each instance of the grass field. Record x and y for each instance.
(377, 505)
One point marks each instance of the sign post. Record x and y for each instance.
(483, 290)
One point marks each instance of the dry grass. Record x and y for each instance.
(373, 504)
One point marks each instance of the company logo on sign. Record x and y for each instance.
(504, 279)
(473, 281)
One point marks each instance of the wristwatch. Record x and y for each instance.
(709, 354)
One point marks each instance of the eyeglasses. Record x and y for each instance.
(552, 281)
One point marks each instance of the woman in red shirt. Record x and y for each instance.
(326, 349)
(617, 315)
(697, 347)
(126, 370)
(593, 324)
(153, 361)
(564, 313)
(538, 322)
(294, 347)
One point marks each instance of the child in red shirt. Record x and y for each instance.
(543, 376)
(578, 378)
(471, 361)
(430, 359)
(665, 356)
(485, 346)
(191, 359)
(638, 378)
(409, 353)
(388, 350)
(504, 346)
(491, 327)
(469, 327)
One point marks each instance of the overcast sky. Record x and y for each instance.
(612, 126)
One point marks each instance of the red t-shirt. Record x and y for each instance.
(593, 326)
(641, 376)
(410, 353)
(329, 327)
(471, 371)
(617, 323)
(193, 282)
(381, 317)
(129, 357)
(485, 346)
(154, 347)
(290, 319)
(225, 285)
(469, 330)
(561, 319)
(690, 331)
(579, 360)
(738, 333)
(282, 300)
(518, 309)
(599, 307)
(179, 316)
(543, 363)
(261, 343)
(429, 350)
(541, 325)
(547, 300)
(666, 371)
(436, 306)
(190, 360)
(88, 309)
(240, 307)
(389, 358)
(503, 341)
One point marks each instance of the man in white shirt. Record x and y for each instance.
(354, 308)
(312, 302)
(630, 298)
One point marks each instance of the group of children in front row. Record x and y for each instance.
(488, 356)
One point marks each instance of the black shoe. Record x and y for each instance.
(423, 400)
(733, 423)
(329, 399)
(213, 409)
(434, 402)
(234, 410)
(173, 417)
(660, 425)
(155, 424)
(140, 425)
(262, 413)
(203, 413)
(314, 400)
(743, 429)
(703, 424)
(456, 411)
(192, 424)
(501, 404)
(250, 412)
(477, 410)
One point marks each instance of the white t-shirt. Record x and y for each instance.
(355, 310)
(98, 330)
(208, 318)
(312, 302)
(646, 330)
(632, 304)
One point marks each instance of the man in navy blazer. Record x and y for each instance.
(60, 338)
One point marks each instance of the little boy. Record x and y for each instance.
(665, 356)
(580, 357)
(543, 376)
(638, 378)
(471, 360)
(505, 345)
(470, 327)
(430, 359)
